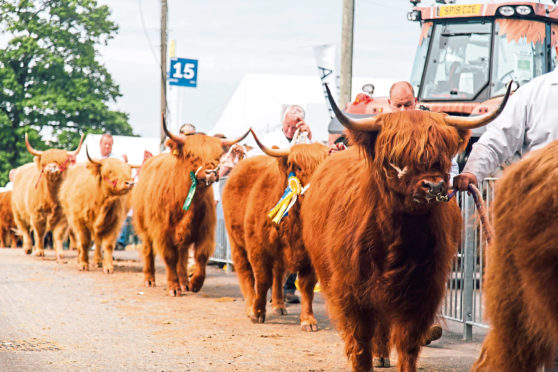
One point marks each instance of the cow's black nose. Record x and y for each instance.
(433, 187)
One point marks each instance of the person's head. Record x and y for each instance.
(293, 115)
(106, 145)
(187, 128)
(11, 174)
(402, 97)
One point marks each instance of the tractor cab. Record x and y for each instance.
(467, 54)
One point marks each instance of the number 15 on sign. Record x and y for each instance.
(183, 72)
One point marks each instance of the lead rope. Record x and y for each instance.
(479, 202)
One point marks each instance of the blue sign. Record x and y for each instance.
(183, 72)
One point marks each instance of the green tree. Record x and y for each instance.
(52, 85)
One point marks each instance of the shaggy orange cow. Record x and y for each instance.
(35, 197)
(379, 236)
(7, 224)
(174, 207)
(521, 275)
(262, 249)
(94, 197)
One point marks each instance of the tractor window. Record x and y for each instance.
(518, 52)
(458, 63)
(420, 56)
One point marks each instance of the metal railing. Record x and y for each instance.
(464, 292)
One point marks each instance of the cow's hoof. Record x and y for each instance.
(381, 362)
(308, 327)
(40, 253)
(257, 319)
(83, 267)
(28, 251)
(196, 282)
(175, 293)
(60, 256)
(184, 288)
(98, 264)
(150, 283)
(108, 270)
(280, 310)
(434, 333)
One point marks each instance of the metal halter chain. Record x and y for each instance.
(445, 198)
(215, 170)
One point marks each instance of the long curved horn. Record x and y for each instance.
(89, 157)
(76, 151)
(173, 137)
(31, 150)
(271, 152)
(480, 120)
(363, 125)
(225, 142)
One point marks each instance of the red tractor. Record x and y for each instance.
(468, 53)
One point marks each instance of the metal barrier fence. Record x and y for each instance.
(464, 293)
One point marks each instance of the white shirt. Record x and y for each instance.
(529, 121)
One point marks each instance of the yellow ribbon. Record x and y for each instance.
(288, 199)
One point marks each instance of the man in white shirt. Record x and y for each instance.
(293, 119)
(106, 148)
(529, 121)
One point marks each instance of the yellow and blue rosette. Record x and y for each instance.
(294, 188)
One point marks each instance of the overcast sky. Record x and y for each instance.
(233, 37)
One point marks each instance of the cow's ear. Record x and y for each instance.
(464, 136)
(366, 141)
(175, 148)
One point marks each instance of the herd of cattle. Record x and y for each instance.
(367, 222)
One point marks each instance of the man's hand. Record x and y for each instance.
(303, 127)
(462, 181)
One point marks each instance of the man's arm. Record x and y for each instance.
(502, 138)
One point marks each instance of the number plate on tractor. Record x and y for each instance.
(459, 10)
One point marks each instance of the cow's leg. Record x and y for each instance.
(244, 273)
(357, 331)
(148, 261)
(2, 238)
(39, 229)
(306, 282)
(58, 235)
(98, 254)
(170, 256)
(73, 240)
(84, 242)
(380, 343)
(13, 239)
(263, 274)
(23, 227)
(277, 301)
(202, 251)
(182, 267)
(108, 248)
(408, 337)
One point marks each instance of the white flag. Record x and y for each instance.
(326, 60)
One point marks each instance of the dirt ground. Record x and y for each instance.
(55, 318)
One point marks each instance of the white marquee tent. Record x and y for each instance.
(259, 100)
